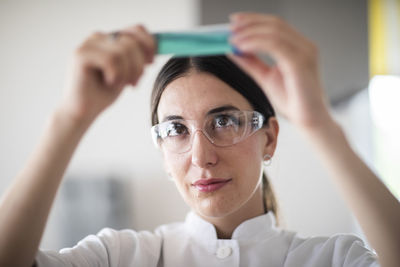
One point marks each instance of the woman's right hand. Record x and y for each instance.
(103, 65)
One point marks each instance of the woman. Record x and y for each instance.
(214, 134)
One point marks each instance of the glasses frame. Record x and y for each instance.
(254, 117)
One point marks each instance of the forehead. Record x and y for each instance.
(193, 95)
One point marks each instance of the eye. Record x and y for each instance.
(175, 129)
(225, 120)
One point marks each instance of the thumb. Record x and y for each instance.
(253, 66)
(267, 77)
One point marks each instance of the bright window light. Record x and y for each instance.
(384, 94)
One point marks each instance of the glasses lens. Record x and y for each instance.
(226, 128)
(222, 129)
(172, 135)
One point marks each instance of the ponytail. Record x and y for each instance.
(269, 199)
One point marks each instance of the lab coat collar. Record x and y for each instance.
(256, 228)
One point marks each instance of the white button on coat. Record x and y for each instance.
(224, 252)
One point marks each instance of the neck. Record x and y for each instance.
(227, 224)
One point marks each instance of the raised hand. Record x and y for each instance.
(103, 65)
(294, 88)
(293, 83)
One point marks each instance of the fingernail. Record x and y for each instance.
(236, 51)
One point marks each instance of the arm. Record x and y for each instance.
(375, 208)
(294, 88)
(25, 206)
(102, 68)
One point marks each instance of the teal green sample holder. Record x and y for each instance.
(201, 42)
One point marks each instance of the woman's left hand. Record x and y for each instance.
(293, 83)
(294, 88)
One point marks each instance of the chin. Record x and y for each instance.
(215, 208)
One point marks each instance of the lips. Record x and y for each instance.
(210, 185)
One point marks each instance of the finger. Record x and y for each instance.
(112, 66)
(262, 73)
(119, 61)
(252, 65)
(281, 50)
(259, 29)
(94, 59)
(100, 52)
(145, 39)
(246, 23)
(254, 23)
(245, 19)
(139, 60)
(286, 52)
(130, 56)
(274, 27)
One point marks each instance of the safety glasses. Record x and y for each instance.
(222, 129)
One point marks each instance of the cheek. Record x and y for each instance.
(179, 172)
(177, 166)
(247, 155)
(247, 165)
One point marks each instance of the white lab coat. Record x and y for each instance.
(255, 242)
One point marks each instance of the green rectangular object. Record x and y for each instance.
(200, 42)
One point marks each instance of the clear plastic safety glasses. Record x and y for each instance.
(222, 129)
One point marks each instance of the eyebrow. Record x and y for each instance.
(172, 117)
(212, 111)
(222, 108)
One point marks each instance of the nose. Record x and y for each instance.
(203, 151)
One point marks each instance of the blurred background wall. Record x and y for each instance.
(37, 41)
(116, 169)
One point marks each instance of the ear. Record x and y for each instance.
(272, 131)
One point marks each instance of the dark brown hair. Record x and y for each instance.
(224, 69)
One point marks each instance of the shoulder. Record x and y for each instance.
(126, 237)
(171, 228)
(108, 247)
(173, 234)
(337, 250)
(129, 240)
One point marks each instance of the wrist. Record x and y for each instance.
(326, 127)
(327, 134)
(76, 117)
(63, 117)
(320, 121)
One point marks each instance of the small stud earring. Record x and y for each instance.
(267, 159)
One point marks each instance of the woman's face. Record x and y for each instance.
(239, 166)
